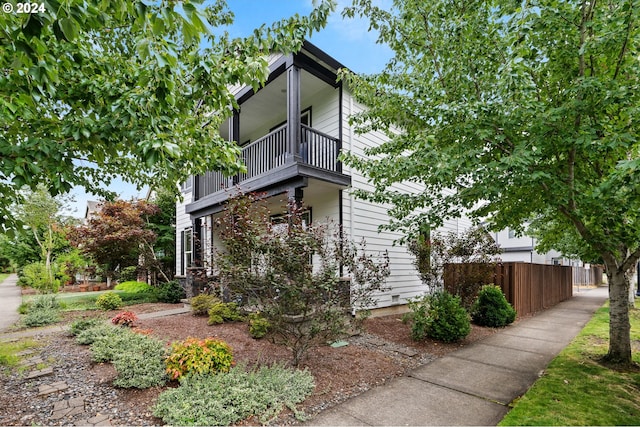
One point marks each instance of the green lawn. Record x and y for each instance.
(3, 276)
(577, 390)
(87, 300)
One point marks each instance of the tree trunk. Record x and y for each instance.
(619, 326)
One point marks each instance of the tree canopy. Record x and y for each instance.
(512, 112)
(92, 89)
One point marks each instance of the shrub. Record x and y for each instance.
(170, 292)
(92, 333)
(139, 361)
(201, 304)
(491, 308)
(196, 356)
(45, 302)
(233, 397)
(41, 317)
(258, 325)
(223, 312)
(125, 318)
(439, 316)
(129, 274)
(81, 325)
(134, 287)
(109, 301)
(35, 275)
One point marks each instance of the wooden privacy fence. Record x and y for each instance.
(528, 287)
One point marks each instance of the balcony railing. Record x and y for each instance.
(270, 152)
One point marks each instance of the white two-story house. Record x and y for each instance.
(291, 132)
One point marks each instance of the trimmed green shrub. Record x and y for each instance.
(439, 316)
(35, 275)
(223, 312)
(201, 304)
(235, 396)
(134, 287)
(491, 308)
(170, 292)
(258, 325)
(198, 356)
(109, 301)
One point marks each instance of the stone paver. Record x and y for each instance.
(98, 420)
(39, 373)
(67, 408)
(45, 389)
(32, 361)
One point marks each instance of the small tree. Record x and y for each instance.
(291, 273)
(433, 252)
(116, 235)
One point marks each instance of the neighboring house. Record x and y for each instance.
(291, 132)
(523, 249)
(90, 211)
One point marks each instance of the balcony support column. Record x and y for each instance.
(293, 114)
(234, 135)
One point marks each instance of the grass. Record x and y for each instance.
(9, 350)
(73, 301)
(3, 276)
(577, 389)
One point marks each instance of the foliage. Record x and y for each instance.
(198, 356)
(515, 112)
(435, 250)
(36, 276)
(125, 318)
(128, 274)
(72, 263)
(258, 325)
(80, 325)
(133, 287)
(41, 317)
(92, 332)
(577, 389)
(9, 350)
(491, 308)
(235, 396)
(42, 310)
(269, 267)
(109, 301)
(224, 312)
(200, 304)
(117, 235)
(170, 292)
(439, 316)
(124, 88)
(163, 224)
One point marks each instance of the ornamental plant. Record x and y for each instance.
(491, 308)
(291, 272)
(125, 318)
(258, 325)
(201, 304)
(439, 316)
(198, 356)
(109, 301)
(224, 312)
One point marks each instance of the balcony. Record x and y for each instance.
(269, 162)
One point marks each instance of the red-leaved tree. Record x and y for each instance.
(117, 235)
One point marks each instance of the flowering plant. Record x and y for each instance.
(126, 318)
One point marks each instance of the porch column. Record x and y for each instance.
(234, 135)
(293, 113)
(197, 242)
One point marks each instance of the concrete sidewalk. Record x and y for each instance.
(10, 300)
(474, 385)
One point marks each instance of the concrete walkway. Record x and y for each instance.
(474, 385)
(10, 300)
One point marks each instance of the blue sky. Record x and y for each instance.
(346, 40)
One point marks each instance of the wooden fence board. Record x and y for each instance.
(528, 287)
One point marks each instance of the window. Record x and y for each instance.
(187, 250)
(512, 233)
(186, 186)
(279, 221)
